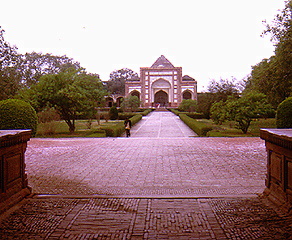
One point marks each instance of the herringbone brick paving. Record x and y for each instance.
(158, 184)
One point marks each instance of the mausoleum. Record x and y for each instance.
(161, 85)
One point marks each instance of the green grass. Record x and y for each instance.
(227, 129)
(60, 129)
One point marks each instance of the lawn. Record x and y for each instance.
(227, 129)
(60, 129)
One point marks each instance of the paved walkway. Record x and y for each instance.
(161, 125)
(159, 187)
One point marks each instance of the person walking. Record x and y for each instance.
(128, 125)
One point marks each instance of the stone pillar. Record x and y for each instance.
(279, 166)
(13, 179)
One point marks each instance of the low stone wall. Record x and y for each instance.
(279, 166)
(13, 179)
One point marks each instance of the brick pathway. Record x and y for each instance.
(159, 187)
(147, 167)
(161, 125)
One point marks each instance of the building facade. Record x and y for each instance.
(161, 85)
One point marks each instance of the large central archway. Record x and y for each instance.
(161, 97)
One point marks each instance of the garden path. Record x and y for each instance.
(161, 124)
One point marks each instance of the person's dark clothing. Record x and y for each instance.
(128, 125)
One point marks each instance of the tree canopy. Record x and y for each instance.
(188, 105)
(242, 110)
(34, 65)
(130, 103)
(24, 70)
(9, 59)
(224, 88)
(116, 83)
(71, 93)
(273, 76)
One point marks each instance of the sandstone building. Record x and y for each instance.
(162, 85)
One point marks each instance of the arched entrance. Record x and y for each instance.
(119, 101)
(109, 101)
(135, 93)
(187, 95)
(161, 98)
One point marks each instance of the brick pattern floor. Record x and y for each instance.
(158, 184)
(147, 167)
(125, 218)
(161, 125)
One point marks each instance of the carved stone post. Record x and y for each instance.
(279, 165)
(13, 179)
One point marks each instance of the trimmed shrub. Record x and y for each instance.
(116, 130)
(188, 105)
(175, 111)
(146, 112)
(113, 113)
(17, 114)
(199, 128)
(193, 115)
(123, 116)
(284, 114)
(136, 119)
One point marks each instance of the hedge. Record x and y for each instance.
(284, 114)
(124, 115)
(193, 115)
(116, 130)
(199, 128)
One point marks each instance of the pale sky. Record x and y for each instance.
(208, 39)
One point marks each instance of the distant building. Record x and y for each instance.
(161, 85)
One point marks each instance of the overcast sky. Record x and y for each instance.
(208, 39)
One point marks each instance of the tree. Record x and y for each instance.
(71, 93)
(223, 88)
(116, 84)
(218, 112)
(131, 103)
(34, 65)
(273, 76)
(9, 76)
(205, 101)
(188, 105)
(218, 91)
(243, 110)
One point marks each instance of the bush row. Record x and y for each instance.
(116, 130)
(123, 116)
(199, 128)
(193, 115)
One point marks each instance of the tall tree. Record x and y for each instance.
(72, 93)
(34, 65)
(130, 103)
(224, 88)
(9, 77)
(116, 84)
(273, 76)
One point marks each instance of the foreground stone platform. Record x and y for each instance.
(140, 218)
